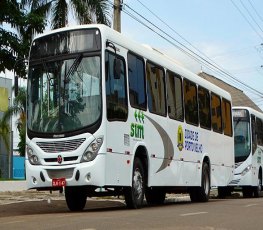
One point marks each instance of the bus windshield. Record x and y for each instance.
(242, 139)
(64, 95)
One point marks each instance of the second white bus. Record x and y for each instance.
(248, 133)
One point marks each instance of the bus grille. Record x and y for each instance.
(60, 173)
(52, 160)
(60, 146)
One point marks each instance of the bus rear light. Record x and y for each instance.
(109, 150)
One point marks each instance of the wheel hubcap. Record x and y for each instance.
(206, 184)
(138, 183)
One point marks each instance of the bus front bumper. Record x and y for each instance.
(82, 174)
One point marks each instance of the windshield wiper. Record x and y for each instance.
(74, 66)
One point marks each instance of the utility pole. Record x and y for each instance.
(117, 15)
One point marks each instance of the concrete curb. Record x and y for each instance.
(12, 186)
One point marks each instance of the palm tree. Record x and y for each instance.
(25, 19)
(19, 109)
(5, 136)
(30, 17)
(5, 133)
(85, 11)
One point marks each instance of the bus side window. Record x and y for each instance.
(254, 134)
(216, 113)
(204, 108)
(227, 117)
(174, 96)
(116, 92)
(190, 102)
(136, 75)
(156, 89)
(259, 131)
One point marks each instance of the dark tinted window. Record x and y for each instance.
(227, 117)
(174, 96)
(190, 102)
(156, 89)
(216, 113)
(259, 131)
(66, 42)
(204, 108)
(136, 75)
(116, 93)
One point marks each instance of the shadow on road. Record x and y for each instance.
(60, 206)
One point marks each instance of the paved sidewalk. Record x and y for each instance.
(29, 195)
(16, 191)
(11, 186)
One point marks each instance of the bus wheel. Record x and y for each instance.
(258, 188)
(75, 198)
(155, 196)
(247, 191)
(134, 195)
(201, 194)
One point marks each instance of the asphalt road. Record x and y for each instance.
(49, 213)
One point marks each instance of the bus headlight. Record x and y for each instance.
(246, 170)
(92, 151)
(32, 157)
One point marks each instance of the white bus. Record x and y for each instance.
(248, 135)
(108, 116)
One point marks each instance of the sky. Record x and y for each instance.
(226, 33)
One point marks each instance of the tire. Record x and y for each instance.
(134, 195)
(201, 194)
(75, 198)
(258, 188)
(155, 196)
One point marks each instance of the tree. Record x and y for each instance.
(19, 109)
(9, 41)
(5, 133)
(85, 11)
(22, 21)
(30, 17)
